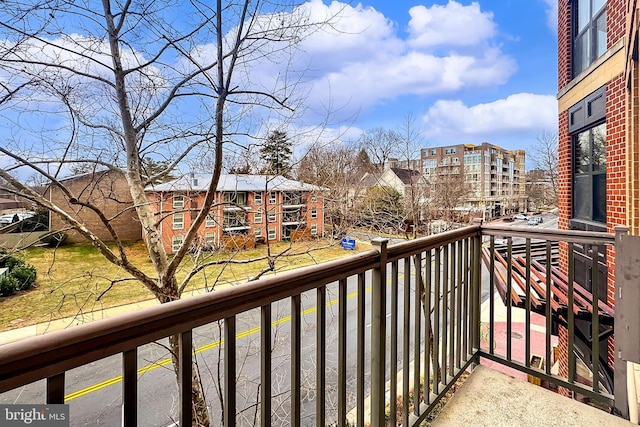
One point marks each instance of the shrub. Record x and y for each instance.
(8, 286)
(25, 275)
(10, 261)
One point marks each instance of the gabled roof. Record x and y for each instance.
(407, 176)
(233, 182)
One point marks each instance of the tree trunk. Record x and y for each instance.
(200, 417)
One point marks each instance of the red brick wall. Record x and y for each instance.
(616, 146)
(564, 44)
(616, 20)
(109, 192)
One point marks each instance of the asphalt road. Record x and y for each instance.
(94, 390)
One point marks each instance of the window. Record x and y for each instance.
(257, 232)
(589, 32)
(314, 229)
(210, 239)
(314, 199)
(234, 219)
(590, 174)
(314, 213)
(211, 220)
(178, 201)
(450, 151)
(237, 198)
(176, 242)
(272, 233)
(272, 198)
(433, 152)
(455, 161)
(272, 215)
(257, 217)
(178, 221)
(257, 198)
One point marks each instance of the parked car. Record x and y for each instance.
(10, 218)
(520, 216)
(501, 240)
(535, 220)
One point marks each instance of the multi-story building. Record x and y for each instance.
(495, 177)
(598, 136)
(247, 209)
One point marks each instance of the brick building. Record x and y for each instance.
(594, 173)
(109, 192)
(247, 209)
(496, 177)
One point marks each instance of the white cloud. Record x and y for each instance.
(522, 112)
(451, 25)
(552, 14)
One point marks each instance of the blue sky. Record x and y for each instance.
(467, 71)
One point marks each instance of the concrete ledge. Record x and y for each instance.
(490, 398)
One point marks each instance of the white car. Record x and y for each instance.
(520, 216)
(7, 219)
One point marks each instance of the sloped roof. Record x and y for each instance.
(233, 182)
(407, 176)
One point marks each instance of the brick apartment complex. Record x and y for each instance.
(109, 192)
(598, 133)
(247, 209)
(496, 177)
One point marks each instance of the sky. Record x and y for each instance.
(464, 71)
(467, 71)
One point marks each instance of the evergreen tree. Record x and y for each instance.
(276, 154)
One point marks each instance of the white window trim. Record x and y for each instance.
(257, 232)
(257, 217)
(210, 220)
(174, 223)
(314, 213)
(178, 201)
(314, 229)
(273, 198)
(272, 216)
(176, 242)
(272, 233)
(257, 198)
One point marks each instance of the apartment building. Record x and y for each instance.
(495, 178)
(248, 209)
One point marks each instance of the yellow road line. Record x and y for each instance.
(166, 361)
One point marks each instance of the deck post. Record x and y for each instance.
(378, 334)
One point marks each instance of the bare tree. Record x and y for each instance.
(448, 191)
(381, 145)
(545, 155)
(338, 169)
(416, 194)
(117, 83)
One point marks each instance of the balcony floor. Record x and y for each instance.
(491, 398)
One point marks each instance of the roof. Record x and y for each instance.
(233, 182)
(407, 176)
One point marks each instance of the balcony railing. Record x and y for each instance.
(404, 321)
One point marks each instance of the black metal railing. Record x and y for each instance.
(404, 323)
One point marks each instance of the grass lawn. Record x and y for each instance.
(76, 279)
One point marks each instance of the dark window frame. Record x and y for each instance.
(589, 34)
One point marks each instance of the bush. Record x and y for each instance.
(10, 261)
(25, 275)
(8, 286)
